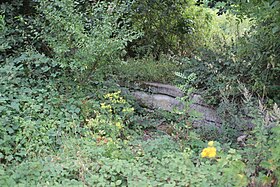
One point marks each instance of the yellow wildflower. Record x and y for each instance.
(209, 152)
(128, 110)
(103, 105)
(119, 125)
(211, 143)
(240, 175)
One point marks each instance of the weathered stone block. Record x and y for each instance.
(157, 101)
(164, 89)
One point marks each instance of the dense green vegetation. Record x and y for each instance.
(66, 121)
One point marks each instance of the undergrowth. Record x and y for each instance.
(66, 121)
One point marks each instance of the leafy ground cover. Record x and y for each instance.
(66, 121)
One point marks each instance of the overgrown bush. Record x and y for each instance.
(163, 25)
(30, 107)
(257, 52)
(57, 131)
(85, 41)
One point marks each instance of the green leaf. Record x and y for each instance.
(15, 105)
(275, 29)
(118, 182)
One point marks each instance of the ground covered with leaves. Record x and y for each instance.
(67, 120)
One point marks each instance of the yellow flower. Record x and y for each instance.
(106, 107)
(211, 143)
(209, 152)
(119, 125)
(103, 105)
(240, 175)
(128, 110)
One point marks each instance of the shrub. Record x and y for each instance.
(110, 117)
(33, 117)
(259, 49)
(85, 41)
(162, 24)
